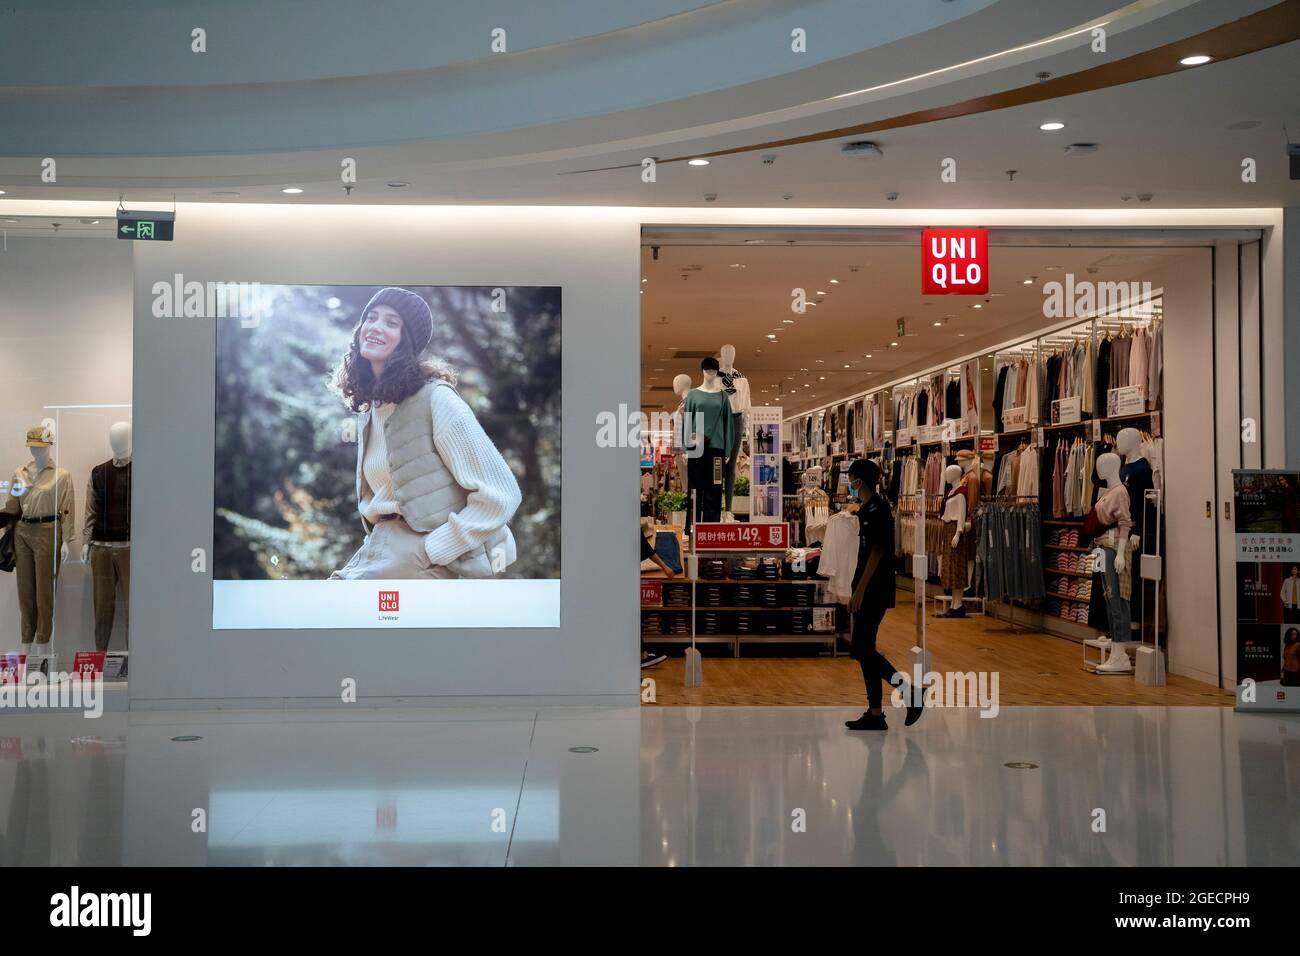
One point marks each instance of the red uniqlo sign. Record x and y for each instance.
(88, 664)
(388, 601)
(954, 262)
(11, 668)
(741, 537)
(652, 593)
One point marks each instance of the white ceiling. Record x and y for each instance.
(707, 303)
(483, 130)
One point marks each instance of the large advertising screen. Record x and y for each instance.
(388, 456)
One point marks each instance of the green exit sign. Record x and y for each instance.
(155, 227)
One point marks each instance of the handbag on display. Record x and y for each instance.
(1093, 527)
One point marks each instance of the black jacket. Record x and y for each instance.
(7, 524)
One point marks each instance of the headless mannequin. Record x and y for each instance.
(707, 456)
(955, 520)
(1129, 445)
(106, 541)
(1108, 471)
(119, 439)
(681, 385)
(41, 456)
(737, 387)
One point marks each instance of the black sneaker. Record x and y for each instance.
(650, 660)
(867, 721)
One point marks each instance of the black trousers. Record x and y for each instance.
(699, 479)
(875, 669)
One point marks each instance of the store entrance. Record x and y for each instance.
(1024, 440)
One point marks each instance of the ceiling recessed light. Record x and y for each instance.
(224, 192)
(398, 185)
(645, 280)
(1029, 281)
(788, 321)
(772, 337)
(14, 221)
(755, 242)
(821, 378)
(978, 305)
(1196, 59)
(1051, 126)
(893, 345)
(2, 192)
(937, 324)
(820, 292)
(291, 190)
(835, 282)
(698, 162)
(868, 355)
(846, 366)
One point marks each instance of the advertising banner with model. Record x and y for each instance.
(389, 457)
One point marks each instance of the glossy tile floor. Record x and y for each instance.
(666, 786)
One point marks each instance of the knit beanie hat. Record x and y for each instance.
(417, 319)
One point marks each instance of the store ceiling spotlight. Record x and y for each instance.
(1051, 126)
(697, 162)
(224, 192)
(978, 305)
(835, 282)
(1029, 281)
(1080, 149)
(291, 190)
(1196, 59)
(398, 185)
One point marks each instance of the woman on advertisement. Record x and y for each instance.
(435, 495)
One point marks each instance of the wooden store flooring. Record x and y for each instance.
(1034, 669)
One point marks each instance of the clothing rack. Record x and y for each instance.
(1012, 627)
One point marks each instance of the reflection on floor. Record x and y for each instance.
(1033, 668)
(664, 786)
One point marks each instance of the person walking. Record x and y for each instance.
(873, 595)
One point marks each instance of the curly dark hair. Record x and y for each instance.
(404, 374)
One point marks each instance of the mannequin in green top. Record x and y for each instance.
(708, 428)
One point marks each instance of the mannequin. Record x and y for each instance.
(736, 386)
(1138, 477)
(708, 425)
(106, 539)
(681, 385)
(41, 494)
(1112, 512)
(958, 556)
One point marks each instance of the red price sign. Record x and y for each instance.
(88, 664)
(11, 668)
(652, 594)
(742, 537)
(988, 443)
(954, 262)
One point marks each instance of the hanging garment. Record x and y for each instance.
(1155, 366)
(952, 399)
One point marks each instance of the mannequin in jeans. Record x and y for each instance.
(1114, 562)
(708, 436)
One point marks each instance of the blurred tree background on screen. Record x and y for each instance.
(285, 455)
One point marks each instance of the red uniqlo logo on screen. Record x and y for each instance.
(388, 600)
(954, 262)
